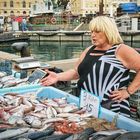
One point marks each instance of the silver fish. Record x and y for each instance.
(51, 112)
(84, 135)
(13, 132)
(129, 136)
(106, 135)
(33, 121)
(52, 120)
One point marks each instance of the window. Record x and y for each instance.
(5, 12)
(29, 4)
(11, 3)
(23, 4)
(12, 13)
(5, 4)
(34, 7)
(18, 4)
(24, 12)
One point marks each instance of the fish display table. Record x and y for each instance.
(51, 92)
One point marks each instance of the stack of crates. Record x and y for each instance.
(135, 106)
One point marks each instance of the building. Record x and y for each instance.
(16, 7)
(44, 7)
(84, 7)
(77, 7)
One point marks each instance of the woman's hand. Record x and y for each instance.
(51, 79)
(119, 95)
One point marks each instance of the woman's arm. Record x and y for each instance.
(71, 74)
(131, 60)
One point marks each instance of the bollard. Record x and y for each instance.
(22, 47)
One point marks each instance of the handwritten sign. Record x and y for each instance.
(90, 102)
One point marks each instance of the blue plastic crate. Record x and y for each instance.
(20, 89)
(51, 92)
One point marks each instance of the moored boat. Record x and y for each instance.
(73, 33)
(9, 36)
(47, 33)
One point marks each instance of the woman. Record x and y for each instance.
(103, 68)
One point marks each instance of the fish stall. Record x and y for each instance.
(37, 112)
(27, 74)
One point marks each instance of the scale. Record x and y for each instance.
(26, 63)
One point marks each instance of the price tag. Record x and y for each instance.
(90, 102)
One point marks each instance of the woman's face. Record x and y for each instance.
(99, 38)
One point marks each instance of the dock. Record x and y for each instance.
(7, 56)
(63, 64)
(60, 35)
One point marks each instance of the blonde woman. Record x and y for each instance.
(103, 68)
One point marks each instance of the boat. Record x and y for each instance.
(10, 36)
(47, 33)
(74, 33)
(130, 33)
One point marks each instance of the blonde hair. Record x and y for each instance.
(108, 27)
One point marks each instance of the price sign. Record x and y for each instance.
(90, 102)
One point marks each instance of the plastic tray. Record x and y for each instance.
(51, 92)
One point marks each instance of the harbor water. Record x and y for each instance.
(48, 51)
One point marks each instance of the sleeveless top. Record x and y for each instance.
(101, 74)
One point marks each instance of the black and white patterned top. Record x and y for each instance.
(102, 74)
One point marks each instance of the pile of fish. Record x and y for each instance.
(11, 81)
(27, 117)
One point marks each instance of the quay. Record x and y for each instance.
(56, 35)
(62, 64)
(61, 35)
(7, 56)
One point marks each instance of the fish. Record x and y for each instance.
(23, 136)
(36, 134)
(23, 139)
(51, 112)
(39, 134)
(107, 135)
(103, 137)
(84, 135)
(112, 137)
(52, 120)
(12, 132)
(33, 121)
(2, 129)
(97, 137)
(129, 136)
(2, 74)
(56, 137)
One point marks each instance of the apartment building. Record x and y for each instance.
(83, 7)
(17, 7)
(77, 7)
